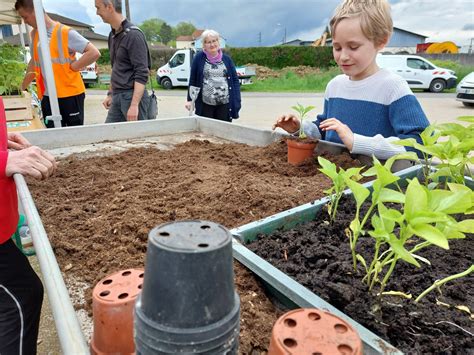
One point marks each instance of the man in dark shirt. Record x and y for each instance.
(127, 99)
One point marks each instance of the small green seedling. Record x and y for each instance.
(302, 113)
(339, 182)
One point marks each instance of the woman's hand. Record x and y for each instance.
(32, 161)
(289, 123)
(342, 130)
(17, 142)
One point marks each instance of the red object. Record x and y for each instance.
(312, 331)
(422, 47)
(8, 197)
(113, 300)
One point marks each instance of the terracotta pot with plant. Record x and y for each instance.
(300, 148)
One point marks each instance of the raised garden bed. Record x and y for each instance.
(98, 210)
(314, 258)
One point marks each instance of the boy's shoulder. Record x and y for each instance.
(383, 87)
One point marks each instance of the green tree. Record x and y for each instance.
(184, 29)
(151, 28)
(166, 33)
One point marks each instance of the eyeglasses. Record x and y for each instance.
(211, 41)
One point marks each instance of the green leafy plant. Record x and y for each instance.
(12, 69)
(380, 194)
(302, 113)
(426, 220)
(339, 182)
(450, 145)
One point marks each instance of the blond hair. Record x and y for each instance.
(375, 19)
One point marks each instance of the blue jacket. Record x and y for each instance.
(197, 78)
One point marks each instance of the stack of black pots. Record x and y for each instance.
(188, 304)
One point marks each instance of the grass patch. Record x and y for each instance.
(290, 82)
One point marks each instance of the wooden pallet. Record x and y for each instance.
(20, 114)
(18, 108)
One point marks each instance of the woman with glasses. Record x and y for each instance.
(214, 86)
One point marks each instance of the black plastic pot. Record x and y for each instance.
(188, 303)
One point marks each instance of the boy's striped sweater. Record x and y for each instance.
(378, 110)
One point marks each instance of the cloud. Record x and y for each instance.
(243, 22)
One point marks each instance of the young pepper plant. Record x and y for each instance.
(339, 182)
(302, 113)
(449, 144)
(380, 194)
(426, 217)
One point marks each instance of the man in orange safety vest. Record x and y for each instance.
(64, 42)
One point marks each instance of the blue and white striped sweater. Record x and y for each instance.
(378, 109)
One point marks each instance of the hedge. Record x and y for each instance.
(272, 57)
(283, 56)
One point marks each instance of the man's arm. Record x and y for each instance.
(138, 90)
(29, 76)
(89, 56)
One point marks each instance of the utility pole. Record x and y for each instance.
(284, 37)
(260, 39)
(127, 10)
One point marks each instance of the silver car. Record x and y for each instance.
(465, 90)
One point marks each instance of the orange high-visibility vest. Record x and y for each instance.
(68, 82)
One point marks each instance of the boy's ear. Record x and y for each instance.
(381, 45)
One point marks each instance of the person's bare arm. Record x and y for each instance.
(90, 55)
(138, 90)
(29, 76)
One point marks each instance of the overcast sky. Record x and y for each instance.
(264, 22)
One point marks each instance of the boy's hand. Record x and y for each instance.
(342, 130)
(289, 123)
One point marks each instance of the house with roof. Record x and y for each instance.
(195, 41)
(11, 33)
(401, 42)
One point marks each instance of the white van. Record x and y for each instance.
(178, 70)
(418, 72)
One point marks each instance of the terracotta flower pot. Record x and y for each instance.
(113, 300)
(298, 150)
(312, 331)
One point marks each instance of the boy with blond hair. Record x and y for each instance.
(366, 108)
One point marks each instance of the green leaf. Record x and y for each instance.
(389, 195)
(400, 251)
(427, 217)
(393, 215)
(415, 199)
(450, 202)
(466, 226)
(431, 234)
(359, 191)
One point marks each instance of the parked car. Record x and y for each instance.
(419, 72)
(178, 70)
(90, 73)
(465, 90)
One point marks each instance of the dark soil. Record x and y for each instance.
(317, 255)
(98, 211)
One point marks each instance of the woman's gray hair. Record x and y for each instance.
(210, 33)
(117, 4)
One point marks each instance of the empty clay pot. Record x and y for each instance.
(188, 303)
(113, 299)
(312, 331)
(298, 151)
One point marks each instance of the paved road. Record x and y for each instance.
(259, 110)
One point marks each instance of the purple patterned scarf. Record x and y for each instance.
(216, 59)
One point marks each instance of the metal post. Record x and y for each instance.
(47, 66)
(69, 331)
